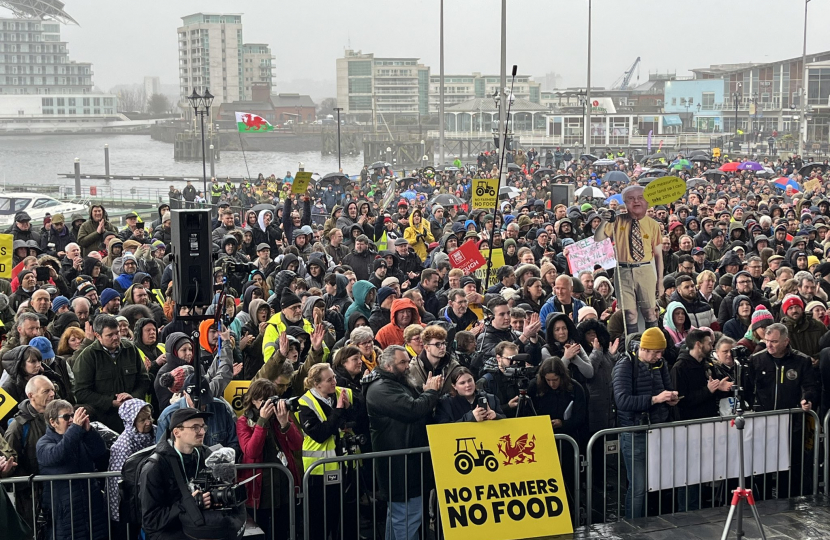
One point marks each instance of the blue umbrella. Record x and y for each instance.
(409, 195)
(616, 176)
(783, 182)
(617, 197)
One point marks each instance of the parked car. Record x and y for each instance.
(36, 205)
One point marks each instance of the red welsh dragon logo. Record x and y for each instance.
(520, 452)
(254, 122)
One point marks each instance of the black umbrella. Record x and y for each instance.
(701, 159)
(695, 153)
(513, 167)
(694, 182)
(379, 165)
(445, 199)
(590, 157)
(558, 176)
(714, 172)
(807, 169)
(330, 177)
(659, 166)
(264, 206)
(542, 172)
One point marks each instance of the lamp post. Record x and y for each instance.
(802, 126)
(736, 97)
(441, 119)
(338, 109)
(697, 122)
(588, 89)
(201, 108)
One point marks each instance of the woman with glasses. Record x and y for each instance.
(267, 434)
(325, 409)
(71, 447)
(413, 341)
(467, 404)
(435, 359)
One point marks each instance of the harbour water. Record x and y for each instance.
(40, 158)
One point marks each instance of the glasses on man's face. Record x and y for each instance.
(440, 344)
(199, 428)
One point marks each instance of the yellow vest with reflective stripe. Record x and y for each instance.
(382, 243)
(143, 356)
(312, 450)
(272, 334)
(216, 190)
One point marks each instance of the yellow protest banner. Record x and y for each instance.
(301, 181)
(498, 262)
(235, 393)
(664, 190)
(7, 403)
(485, 192)
(716, 152)
(499, 480)
(6, 241)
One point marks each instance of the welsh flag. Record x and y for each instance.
(248, 122)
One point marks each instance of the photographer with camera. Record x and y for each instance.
(643, 394)
(324, 410)
(267, 434)
(497, 329)
(467, 404)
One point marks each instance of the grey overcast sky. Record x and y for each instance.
(128, 40)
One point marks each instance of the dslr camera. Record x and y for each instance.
(291, 404)
(350, 440)
(740, 354)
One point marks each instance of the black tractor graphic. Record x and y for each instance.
(238, 397)
(468, 455)
(482, 187)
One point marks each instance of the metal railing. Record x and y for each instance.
(684, 496)
(359, 473)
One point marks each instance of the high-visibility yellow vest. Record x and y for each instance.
(143, 356)
(216, 190)
(312, 450)
(382, 243)
(275, 327)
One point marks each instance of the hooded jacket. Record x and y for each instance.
(318, 260)
(579, 366)
(735, 327)
(219, 370)
(419, 236)
(88, 237)
(59, 239)
(361, 263)
(599, 387)
(678, 335)
(271, 234)
(713, 253)
(698, 311)
(392, 334)
(690, 377)
(360, 290)
(341, 298)
(727, 305)
(128, 443)
(14, 364)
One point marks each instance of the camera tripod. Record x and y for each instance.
(525, 406)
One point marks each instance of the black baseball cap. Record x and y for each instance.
(183, 415)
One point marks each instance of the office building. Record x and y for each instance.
(210, 56)
(258, 66)
(374, 90)
(152, 86)
(461, 88)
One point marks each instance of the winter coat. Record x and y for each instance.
(780, 383)
(14, 365)
(359, 291)
(727, 305)
(398, 418)
(554, 306)
(458, 409)
(420, 368)
(361, 263)
(600, 386)
(60, 240)
(713, 253)
(419, 237)
(26, 450)
(88, 237)
(490, 337)
(635, 383)
(690, 377)
(69, 500)
(698, 311)
(128, 443)
(99, 377)
(580, 365)
(805, 334)
(392, 334)
(554, 403)
(221, 424)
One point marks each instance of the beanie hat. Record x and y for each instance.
(384, 293)
(130, 246)
(107, 295)
(174, 379)
(43, 345)
(22, 275)
(812, 305)
(811, 260)
(379, 263)
(584, 312)
(59, 302)
(789, 301)
(653, 339)
(288, 299)
(669, 282)
(726, 280)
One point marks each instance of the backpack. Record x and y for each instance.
(128, 488)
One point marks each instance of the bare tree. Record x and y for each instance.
(326, 107)
(131, 99)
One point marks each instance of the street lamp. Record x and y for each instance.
(338, 109)
(588, 89)
(802, 131)
(736, 98)
(497, 133)
(201, 108)
(697, 121)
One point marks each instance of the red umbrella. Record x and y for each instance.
(732, 166)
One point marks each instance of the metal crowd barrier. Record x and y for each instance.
(116, 531)
(357, 482)
(612, 492)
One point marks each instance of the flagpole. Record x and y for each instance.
(243, 153)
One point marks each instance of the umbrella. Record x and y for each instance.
(714, 172)
(621, 159)
(513, 167)
(680, 164)
(644, 181)
(807, 169)
(589, 192)
(616, 176)
(449, 168)
(542, 172)
(652, 172)
(766, 173)
(783, 182)
(659, 166)
(509, 192)
(657, 155)
(732, 166)
(589, 157)
(604, 163)
(445, 199)
(558, 176)
(617, 197)
(700, 159)
(264, 206)
(696, 153)
(750, 166)
(380, 165)
(694, 182)
(409, 194)
(330, 177)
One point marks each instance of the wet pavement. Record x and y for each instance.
(803, 518)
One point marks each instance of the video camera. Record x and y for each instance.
(519, 371)
(230, 266)
(218, 478)
(740, 354)
(351, 441)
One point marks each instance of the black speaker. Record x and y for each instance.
(561, 194)
(192, 257)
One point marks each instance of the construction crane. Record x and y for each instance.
(622, 82)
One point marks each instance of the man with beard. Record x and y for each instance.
(698, 311)
(409, 264)
(500, 330)
(110, 302)
(228, 224)
(335, 248)
(290, 314)
(638, 244)
(741, 284)
(360, 260)
(402, 313)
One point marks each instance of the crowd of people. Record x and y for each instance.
(347, 316)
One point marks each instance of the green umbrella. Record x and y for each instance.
(681, 164)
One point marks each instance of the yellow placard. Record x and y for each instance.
(235, 393)
(301, 181)
(6, 241)
(665, 190)
(498, 262)
(7, 403)
(485, 192)
(499, 479)
(715, 152)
